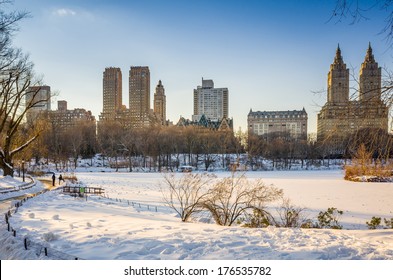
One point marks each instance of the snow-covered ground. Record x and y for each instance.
(13, 188)
(9, 183)
(129, 226)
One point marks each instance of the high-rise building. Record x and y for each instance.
(210, 102)
(160, 103)
(340, 116)
(139, 95)
(61, 105)
(272, 122)
(338, 80)
(112, 92)
(66, 119)
(39, 99)
(370, 79)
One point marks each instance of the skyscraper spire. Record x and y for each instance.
(369, 55)
(338, 59)
(370, 78)
(338, 80)
(160, 103)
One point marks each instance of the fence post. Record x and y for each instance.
(6, 218)
(14, 232)
(148, 208)
(156, 208)
(9, 227)
(139, 205)
(25, 241)
(46, 252)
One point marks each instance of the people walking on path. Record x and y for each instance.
(53, 179)
(61, 179)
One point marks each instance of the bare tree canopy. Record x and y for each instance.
(186, 194)
(16, 76)
(356, 11)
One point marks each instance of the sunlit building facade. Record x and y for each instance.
(341, 116)
(268, 123)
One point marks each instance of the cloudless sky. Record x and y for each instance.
(271, 55)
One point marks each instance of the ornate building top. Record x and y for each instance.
(369, 55)
(338, 80)
(338, 59)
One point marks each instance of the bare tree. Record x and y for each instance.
(16, 76)
(54, 140)
(176, 145)
(356, 11)
(209, 146)
(187, 193)
(75, 142)
(290, 215)
(191, 140)
(127, 144)
(233, 196)
(256, 146)
(108, 138)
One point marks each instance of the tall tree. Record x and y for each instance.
(16, 76)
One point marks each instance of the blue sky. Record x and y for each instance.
(271, 55)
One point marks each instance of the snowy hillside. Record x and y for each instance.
(134, 223)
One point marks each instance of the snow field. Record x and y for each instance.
(102, 228)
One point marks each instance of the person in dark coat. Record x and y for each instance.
(53, 179)
(61, 179)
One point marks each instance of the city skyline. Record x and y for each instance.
(270, 56)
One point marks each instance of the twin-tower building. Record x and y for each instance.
(210, 103)
(342, 115)
(139, 113)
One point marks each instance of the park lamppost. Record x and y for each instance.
(23, 170)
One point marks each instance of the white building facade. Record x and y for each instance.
(209, 101)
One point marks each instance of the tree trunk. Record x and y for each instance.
(130, 161)
(8, 170)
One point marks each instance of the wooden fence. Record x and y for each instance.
(78, 190)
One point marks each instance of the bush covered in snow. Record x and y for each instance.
(49, 236)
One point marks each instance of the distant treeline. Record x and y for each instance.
(167, 148)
